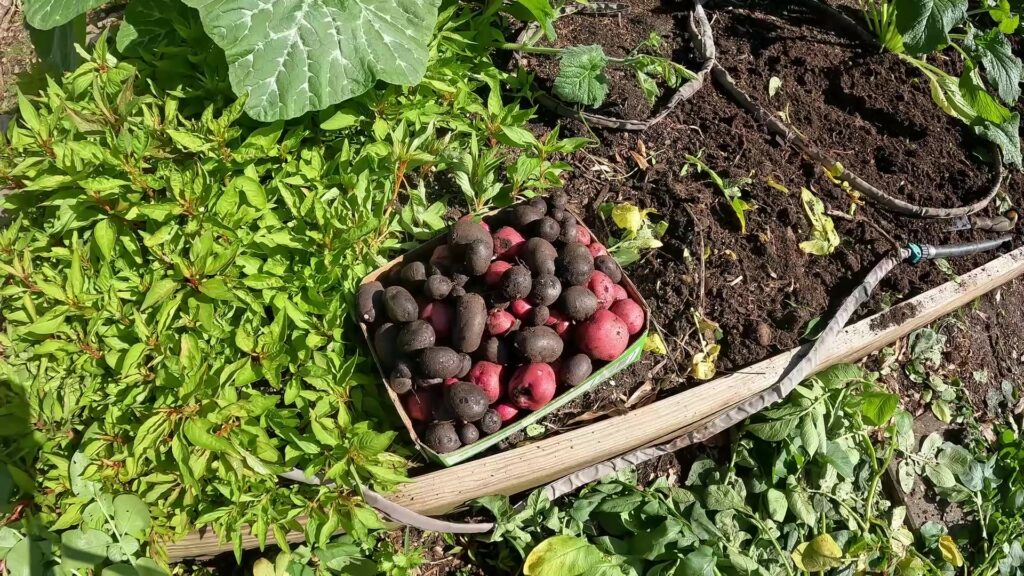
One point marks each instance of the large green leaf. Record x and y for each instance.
(147, 24)
(46, 14)
(581, 77)
(564, 556)
(1005, 135)
(293, 56)
(56, 46)
(925, 24)
(1002, 69)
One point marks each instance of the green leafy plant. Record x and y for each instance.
(581, 71)
(914, 29)
(178, 284)
(799, 489)
(638, 232)
(286, 58)
(731, 188)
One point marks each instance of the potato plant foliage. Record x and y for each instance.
(177, 286)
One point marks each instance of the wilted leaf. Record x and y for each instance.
(824, 239)
(820, 554)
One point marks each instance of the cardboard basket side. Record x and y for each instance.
(632, 353)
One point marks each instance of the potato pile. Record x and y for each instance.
(503, 314)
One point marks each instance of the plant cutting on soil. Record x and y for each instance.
(204, 200)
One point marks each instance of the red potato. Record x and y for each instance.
(631, 313)
(449, 381)
(419, 405)
(619, 292)
(532, 386)
(506, 411)
(603, 337)
(602, 287)
(487, 375)
(597, 249)
(582, 236)
(558, 322)
(507, 242)
(495, 271)
(439, 315)
(520, 308)
(500, 322)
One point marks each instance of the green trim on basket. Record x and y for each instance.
(629, 357)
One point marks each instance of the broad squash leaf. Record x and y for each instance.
(292, 56)
(47, 14)
(925, 24)
(1002, 69)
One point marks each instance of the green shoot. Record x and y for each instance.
(732, 189)
(881, 20)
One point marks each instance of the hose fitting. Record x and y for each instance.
(921, 252)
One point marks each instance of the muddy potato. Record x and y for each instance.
(437, 287)
(537, 316)
(568, 232)
(402, 369)
(516, 283)
(575, 264)
(385, 343)
(440, 362)
(466, 231)
(467, 400)
(559, 199)
(412, 275)
(457, 291)
(579, 302)
(538, 344)
(468, 433)
(370, 300)
(400, 304)
(491, 422)
(495, 350)
(539, 203)
(400, 385)
(609, 266)
(523, 214)
(546, 290)
(416, 335)
(539, 256)
(575, 370)
(546, 228)
(467, 365)
(470, 322)
(441, 437)
(477, 257)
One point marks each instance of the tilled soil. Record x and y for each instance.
(868, 109)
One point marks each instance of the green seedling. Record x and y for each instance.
(731, 188)
(581, 75)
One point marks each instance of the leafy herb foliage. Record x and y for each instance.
(178, 283)
(800, 491)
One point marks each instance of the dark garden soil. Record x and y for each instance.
(868, 109)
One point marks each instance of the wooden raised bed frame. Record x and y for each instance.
(523, 468)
